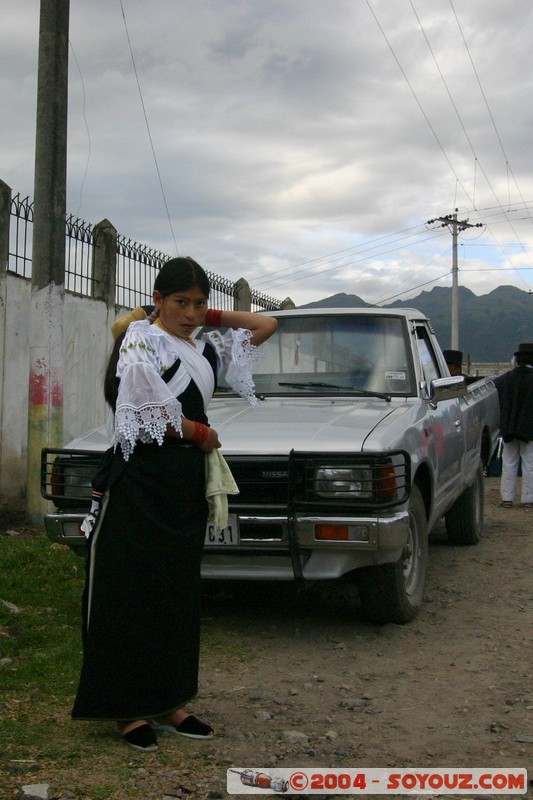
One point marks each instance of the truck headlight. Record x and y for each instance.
(347, 482)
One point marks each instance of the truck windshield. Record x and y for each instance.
(335, 354)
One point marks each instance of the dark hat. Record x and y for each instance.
(453, 357)
(525, 348)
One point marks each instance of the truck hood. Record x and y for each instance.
(279, 425)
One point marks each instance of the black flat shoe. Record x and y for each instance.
(142, 738)
(191, 727)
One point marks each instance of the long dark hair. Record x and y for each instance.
(179, 275)
(111, 382)
(176, 275)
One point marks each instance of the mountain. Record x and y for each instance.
(490, 326)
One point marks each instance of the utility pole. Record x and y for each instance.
(45, 401)
(456, 226)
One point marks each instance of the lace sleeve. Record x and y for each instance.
(145, 404)
(236, 356)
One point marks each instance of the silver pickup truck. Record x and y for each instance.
(360, 443)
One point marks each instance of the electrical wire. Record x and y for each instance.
(331, 259)
(84, 110)
(409, 84)
(453, 104)
(148, 127)
(320, 261)
(491, 116)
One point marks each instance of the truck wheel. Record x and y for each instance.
(464, 520)
(393, 592)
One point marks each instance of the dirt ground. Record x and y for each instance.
(452, 688)
(320, 687)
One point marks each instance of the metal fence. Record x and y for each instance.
(79, 257)
(20, 241)
(136, 265)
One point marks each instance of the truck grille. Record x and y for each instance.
(266, 484)
(261, 481)
(280, 483)
(66, 476)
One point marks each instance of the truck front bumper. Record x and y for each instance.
(303, 552)
(297, 553)
(64, 528)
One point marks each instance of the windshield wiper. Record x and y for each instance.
(311, 385)
(321, 385)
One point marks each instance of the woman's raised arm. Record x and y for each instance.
(261, 325)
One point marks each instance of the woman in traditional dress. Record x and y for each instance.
(141, 609)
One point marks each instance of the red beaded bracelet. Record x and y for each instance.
(213, 318)
(201, 432)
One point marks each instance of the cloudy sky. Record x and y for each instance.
(301, 144)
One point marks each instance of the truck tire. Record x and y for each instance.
(464, 520)
(394, 592)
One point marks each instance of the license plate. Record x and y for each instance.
(228, 536)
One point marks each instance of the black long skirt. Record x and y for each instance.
(141, 602)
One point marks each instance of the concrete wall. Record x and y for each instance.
(87, 343)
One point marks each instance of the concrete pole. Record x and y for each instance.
(456, 226)
(45, 408)
(455, 287)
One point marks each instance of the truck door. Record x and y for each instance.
(443, 428)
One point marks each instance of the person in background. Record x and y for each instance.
(515, 393)
(141, 604)
(454, 362)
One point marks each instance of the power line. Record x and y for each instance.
(148, 128)
(484, 96)
(458, 181)
(413, 289)
(344, 265)
(432, 129)
(318, 263)
(82, 185)
(341, 255)
(454, 106)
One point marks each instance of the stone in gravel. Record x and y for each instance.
(36, 791)
(295, 737)
(188, 788)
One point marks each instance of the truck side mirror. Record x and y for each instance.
(447, 388)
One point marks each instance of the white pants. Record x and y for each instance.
(514, 454)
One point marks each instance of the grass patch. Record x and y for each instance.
(40, 652)
(40, 587)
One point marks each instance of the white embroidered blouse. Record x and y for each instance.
(146, 404)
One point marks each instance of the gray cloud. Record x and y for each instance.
(286, 133)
